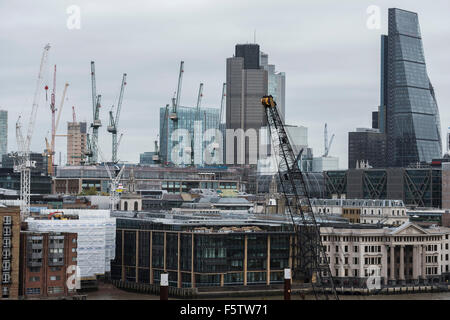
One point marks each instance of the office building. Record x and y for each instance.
(146, 158)
(3, 133)
(9, 258)
(403, 255)
(246, 82)
(412, 117)
(40, 184)
(76, 143)
(76, 179)
(416, 187)
(48, 260)
(408, 115)
(368, 145)
(188, 151)
(276, 84)
(40, 163)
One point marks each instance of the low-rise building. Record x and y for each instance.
(10, 242)
(388, 212)
(407, 254)
(48, 260)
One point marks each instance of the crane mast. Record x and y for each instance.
(114, 121)
(310, 262)
(96, 123)
(176, 99)
(196, 152)
(22, 157)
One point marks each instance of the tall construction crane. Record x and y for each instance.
(176, 100)
(327, 145)
(310, 262)
(22, 157)
(222, 123)
(55, 123)
(96, 123)
(114, 121)
(196, 143)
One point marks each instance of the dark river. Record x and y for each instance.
(109, 292)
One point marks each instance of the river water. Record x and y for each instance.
(109, 292)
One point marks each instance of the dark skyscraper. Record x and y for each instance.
(246, 84)
(408, 104)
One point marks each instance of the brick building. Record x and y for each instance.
(45, 261)
(9, 240)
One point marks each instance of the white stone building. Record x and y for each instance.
(388, 212)
(407, 254)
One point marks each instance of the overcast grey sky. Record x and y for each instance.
(331, 60)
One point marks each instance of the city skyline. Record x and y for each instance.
(316, 85)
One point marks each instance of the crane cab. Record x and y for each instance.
(267, 101)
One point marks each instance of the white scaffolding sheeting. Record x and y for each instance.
(96, 232)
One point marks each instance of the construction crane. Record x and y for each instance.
(327, 146)
(198, 131)
(114, 179)
(96, 123)
(114, 121)
(22, 157)
(176, 100)
(55, 123)
(310, 262)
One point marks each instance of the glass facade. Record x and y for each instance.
(413, 124)
(145, 249)
(188, 121)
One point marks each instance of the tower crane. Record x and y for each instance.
(96, 123)
(114, 121)
(327, 145)
(198, 131)
(22, 157)
(55, 123)
(310, 262)
(176, 100)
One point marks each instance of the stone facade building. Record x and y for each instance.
(407, 254)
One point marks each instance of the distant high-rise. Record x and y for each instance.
(406, 129)
(247, 82)
(76, 142)
(3, 133)
(276, 83)
(187, 116)
(409, 113)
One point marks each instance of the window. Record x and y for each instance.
(55, 289)
(6, 265)
(55, 278)
(6, 277)
(74, 258)
(33, 291)
(6, 231)
(74, 249)
(34, 279)
(7, 220)
(74, 240)
(7, 242)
